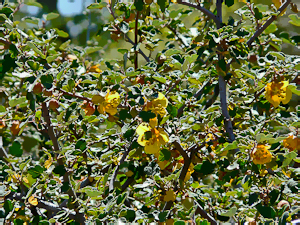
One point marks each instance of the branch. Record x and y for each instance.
(7, 43)
(198, 93)
(269, 21)
(126, 36)
(136, 39)
(176, 34)
(219, 12)
(74, 95)
(204, 214)
(54, 140)
(112, 181)
(4, 154)
(202, 9)
(225, 113)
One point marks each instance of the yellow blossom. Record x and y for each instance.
(33, 201)
(109, 103)
(261, 154)
(189, 172)
(95, 69)
(291, 142)
(170, 196)
(151, 137)
(158, 105)
(277, 92)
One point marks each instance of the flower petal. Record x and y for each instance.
(142, 128)
(288, 96)
(152, 148)
(275, 101)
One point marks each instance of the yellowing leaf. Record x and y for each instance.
(277, 4)
(33, 201)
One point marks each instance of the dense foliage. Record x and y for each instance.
(204, 130)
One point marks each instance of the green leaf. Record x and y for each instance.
(162, 5)
(33, 65)
(123, 51)
(164, 155)
(191, 58)
(258, 15)
(32, 46)
(139, 5)
(222, 64)
(36, 171)
(89, 50)
(16, 149)
(50, 16)
(293, 88)
(266, 211)
(36, 4)
(230, 212)
(130, 215)
(51, 58)
(229, 3)
(288, 158)
(205, 168)
(230, 146)
(64, 45)
(32, 20)
(61, 33)
(271, 29)
(295, 20)
(162, 216)
(17, 101)
(146, 115)
(81, 144)
(97, 5)
(172, 51)
(60, 169)
(160, 79)
(263, 137)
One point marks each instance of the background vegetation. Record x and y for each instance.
(150, 111)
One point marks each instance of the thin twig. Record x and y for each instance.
(136, 39)
(269, 21)
(74, 95)
(54, 140)
(176, 34)
(126, 36)
(4, 154)
(202, 9)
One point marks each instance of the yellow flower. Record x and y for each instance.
(150, 137)
(261, 154)
(108, 104)
(158, 105)
(33, 201)
(277, 92)
(170, 196)
(291, 142)
(189, 172)
(95, 69)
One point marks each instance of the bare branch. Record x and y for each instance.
(74, 95)
(204, 214)
(60, 161)
(225, 113)
(202, 9)
(269, 21)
